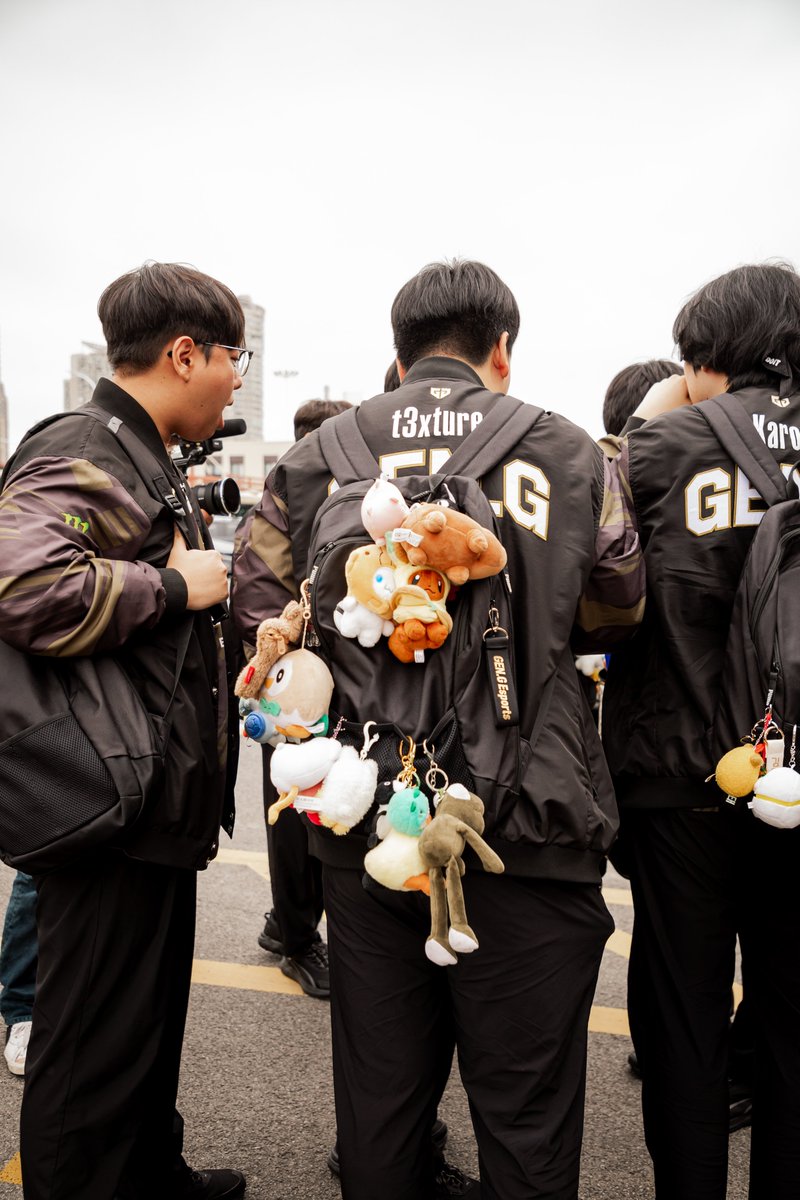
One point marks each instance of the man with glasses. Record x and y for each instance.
(95, 565)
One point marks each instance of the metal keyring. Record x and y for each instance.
(431, 776)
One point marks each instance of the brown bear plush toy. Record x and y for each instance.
(450, 542)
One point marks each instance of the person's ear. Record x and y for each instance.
(181, 355)
(501, 359)
(401, 371)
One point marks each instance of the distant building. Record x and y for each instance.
(250, 397)
(84, 371)
(247, 460)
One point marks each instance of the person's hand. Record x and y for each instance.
(204, 573)
(663, 397)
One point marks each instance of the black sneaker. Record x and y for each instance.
(439, 1137)
(438, 1140)
(450, 1181)
(211, 1185)
(270, 937)
(633, 1066)
(310, 970)
(741, 1105)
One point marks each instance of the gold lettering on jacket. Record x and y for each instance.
(526, 488)
(713, 501)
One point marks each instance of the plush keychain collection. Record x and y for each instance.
(397, 588)
(424, 852)
(757, 766)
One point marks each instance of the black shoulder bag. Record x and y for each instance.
(80, 757)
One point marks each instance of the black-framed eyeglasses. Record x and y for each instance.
(242, 362)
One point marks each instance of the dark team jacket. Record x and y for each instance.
(696, 513)
(84, 571)
(562, 520)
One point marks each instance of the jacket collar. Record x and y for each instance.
(119, 403)
(439, 366)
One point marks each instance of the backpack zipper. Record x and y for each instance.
(769, 579)
(319, 562)
(337, 498)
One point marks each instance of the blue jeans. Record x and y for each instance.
(20, 952)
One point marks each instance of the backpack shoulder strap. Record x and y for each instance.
(731, 424)
(149, 469)
(345, 450)
(147, 465)
(37, 428)
(494, 438)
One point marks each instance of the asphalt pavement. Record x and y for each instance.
(256, 1083)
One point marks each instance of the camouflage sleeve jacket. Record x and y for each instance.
(613, 602)
(263, 576)
(72, 576)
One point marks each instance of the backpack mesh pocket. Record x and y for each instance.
(52, 781)
(444, 742)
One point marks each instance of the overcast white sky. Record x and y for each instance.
(604, 156)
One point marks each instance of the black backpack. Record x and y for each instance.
(80, 756)
(460, 703)
(761, 669)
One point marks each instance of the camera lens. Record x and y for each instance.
(221, 498)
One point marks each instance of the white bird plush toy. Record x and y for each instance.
(298, 769)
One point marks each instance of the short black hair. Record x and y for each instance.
(629, 387)
(732, 323)
(310, 415)
(391, 380)
(459, 308)
(144, 309)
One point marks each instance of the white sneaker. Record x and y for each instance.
(17, 1047)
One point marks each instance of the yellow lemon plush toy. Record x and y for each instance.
(738, 770)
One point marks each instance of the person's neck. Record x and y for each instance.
(149, 394)
(485, 371)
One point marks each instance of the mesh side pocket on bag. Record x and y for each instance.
(52, 781)
(444, 742)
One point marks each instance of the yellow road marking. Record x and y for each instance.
(271, 979)
(620, 943)
(12, 1171)
(255, 859)
(608, 1020)
(240, 975)
(615, 895)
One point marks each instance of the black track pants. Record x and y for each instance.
(517, 1010)
(115, 956)
(296, 876)
(698, 879)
